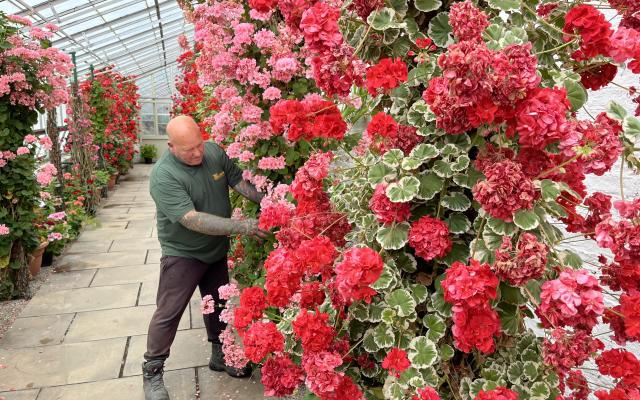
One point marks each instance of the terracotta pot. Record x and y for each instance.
(112, 182)
(35, 258)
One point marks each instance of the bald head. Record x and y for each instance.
(185, 141)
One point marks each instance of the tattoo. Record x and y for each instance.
(211, 224)
(249, 191)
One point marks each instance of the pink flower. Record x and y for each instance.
(59, 216)
(467, 21)
(46, 174)
(45, 142)
(30, 139)
(53, 236)
(4, 230)
(271, 93)
(207, 305)
(22, 150)
(272, 163)
(228, 291)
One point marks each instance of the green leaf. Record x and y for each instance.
(427, 5)
(458, 223)
(540, 390)
(382, 19)
(430, 185)
(526, 219)
(531, 370)
(369, 342)
(550, 189)
(616, 111)
(404, 190)
(383, 336)
(576, 94)
(459, 252)
(402, 301)
(384, 281)
(504, 5)
(424, 152)
(491, 239)
(509, 318)
(501, 227)
(515, 371)
(406, 262)
(446, 352)
(443, 169)
(436, 326)
(411, 163)
(360, 311)
(440, 31)
(388, 315)
(571, 259)
(419, 292)
(394, 236)
(393, 158)
(456, 201)
(377, 174)
(510, 294)
(461, 163)
(423, 352)
(400, 6)
(631, 126)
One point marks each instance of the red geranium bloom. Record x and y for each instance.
(359, 268)
(386, 75)
(396, 361)
(430, 238)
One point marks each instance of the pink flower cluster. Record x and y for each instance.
(46, 174)
(528, 262)
(574, 299)
(467, 21)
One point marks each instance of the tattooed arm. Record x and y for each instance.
(213, 225)
(249, 191)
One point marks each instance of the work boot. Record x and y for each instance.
(238, 372)
(152, 382)
(216, 363)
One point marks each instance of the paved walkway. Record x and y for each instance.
(82, 336)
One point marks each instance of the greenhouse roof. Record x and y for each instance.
(139, 37)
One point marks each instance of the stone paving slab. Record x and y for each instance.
(123, 275)
(122, 322)
(95, 246)
(36, 331)
(121, 245)
(153, 256)
(219, 386)
(196, 315)
(148, 293)
(20, 395)
(102, 260)
(111, 234)
(84, 299)
(67, 280)
(62, 364)
(180, 384)
(109, 225)
(190, 349)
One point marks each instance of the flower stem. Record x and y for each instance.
(558, 47)
(557, 167)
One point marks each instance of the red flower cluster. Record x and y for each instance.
(600, 139)
(470, 289)
(621, 237)
(307, 119)
(541, 117)
(283, 277)
(467, 21)
(261, 339)
(316, 256)
(480, 86)
(324, 381)
(396, 361)
(365, 7)
(620, 364)
(569, 350)
(359, 268)
(630, 308)
(311, 295)
(429, 237)
(262, 6)
(618, 394)
(427, 393)
(599, 205)
(280, 376)
(189, 93)
(574, 299)
(388, 74)
(313, 331)
(529, 261)
(505, 191)
(499, 393)
(307, 186)
(382, 125)
(592, 27)
(386, 211)
(252, 304)
(598, 76)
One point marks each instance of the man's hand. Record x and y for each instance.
(250, 227)
(249, 191)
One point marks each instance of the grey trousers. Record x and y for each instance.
(179, 278)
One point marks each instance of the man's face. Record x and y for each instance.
(189, 151)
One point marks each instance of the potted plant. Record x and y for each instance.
(113, 175)
(148, 152)
(102, 180)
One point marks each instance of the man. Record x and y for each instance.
(190, 186)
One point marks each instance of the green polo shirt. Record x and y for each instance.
(178, 188)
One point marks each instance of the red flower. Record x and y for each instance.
(307, 119)
(365, 7)
(382, 125)
(359, 268)
(396, 361)
(569, 350)
(430, 238)
(283, 277)
(541, 117)
(262, 6)
(280, 376)
(261, 339)
(386, 75)
(425, 43)
(467, 21)
(499, 393)
(471, 286)
(319, 25)
(505, 191)
(620, 364)
(316, 255)
(385, 210)
(630, 308)
(313, 331)
(598, 76)
(311, 295)
(427, 393)
(592, 27)
(475, 327)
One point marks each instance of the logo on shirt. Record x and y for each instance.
(216, 177)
